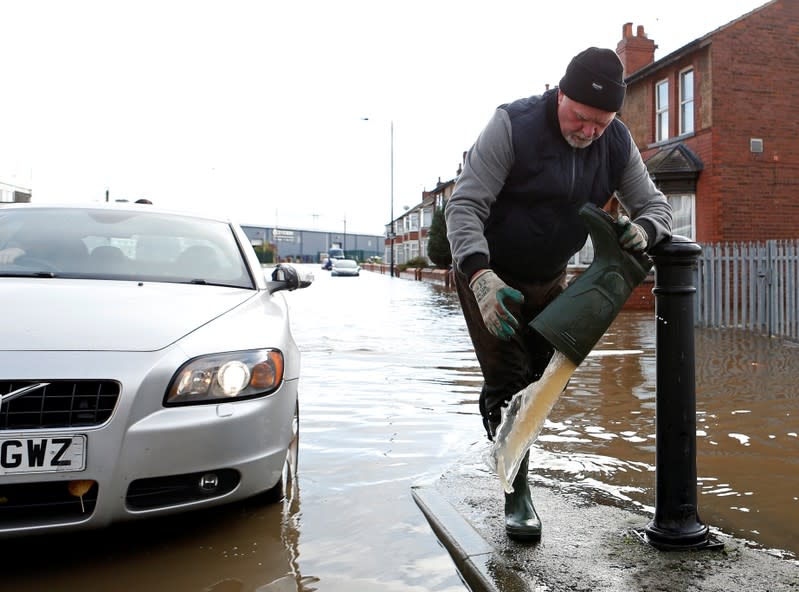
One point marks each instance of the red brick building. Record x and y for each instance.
(717, 123)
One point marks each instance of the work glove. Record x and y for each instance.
(631, 236)
(492, 294)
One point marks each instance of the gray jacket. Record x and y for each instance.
(488, 165)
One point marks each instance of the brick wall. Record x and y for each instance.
(642, 297)
(755, 95)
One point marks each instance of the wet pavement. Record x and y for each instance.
(388, 406)
(585, 547)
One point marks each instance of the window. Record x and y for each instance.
(662, 111)
(584, 256)
(687, 102)
(683, 222)
(428, 217)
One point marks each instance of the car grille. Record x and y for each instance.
(56, 403)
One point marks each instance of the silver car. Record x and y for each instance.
(147, 367)
(342, 267)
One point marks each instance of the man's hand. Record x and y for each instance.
(491, 294)
(633, 237)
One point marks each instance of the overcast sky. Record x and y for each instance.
(256, 108)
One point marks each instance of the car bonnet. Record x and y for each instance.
(81, 315)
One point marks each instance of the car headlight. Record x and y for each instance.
(225, 377)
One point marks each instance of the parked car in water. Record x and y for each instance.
(147, 367)
(345, 267)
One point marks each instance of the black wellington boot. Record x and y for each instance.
(521, 521)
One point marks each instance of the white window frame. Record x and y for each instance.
(428, 217)
(687, 102)
(414, 221)
(687, 226)
(584, 257)
(661, 111)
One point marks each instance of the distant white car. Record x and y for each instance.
(345, 267)
(147, 367)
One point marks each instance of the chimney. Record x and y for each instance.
(635, 52)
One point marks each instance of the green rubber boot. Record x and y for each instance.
(521, 521)
(574, 321)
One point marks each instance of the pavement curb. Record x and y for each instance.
(478, 563)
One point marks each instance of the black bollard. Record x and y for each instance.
(676, 524)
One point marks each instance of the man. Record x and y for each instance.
(513, 225)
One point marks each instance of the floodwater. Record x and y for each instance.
(600, 437)
(388, 399)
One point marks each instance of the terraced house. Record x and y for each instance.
(717, 122)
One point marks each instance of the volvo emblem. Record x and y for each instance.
(22, 391)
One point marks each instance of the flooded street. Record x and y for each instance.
(388, 399)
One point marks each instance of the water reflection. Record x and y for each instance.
(240, 548)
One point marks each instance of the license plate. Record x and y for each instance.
(50, 454)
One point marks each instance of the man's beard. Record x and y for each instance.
(579, 142)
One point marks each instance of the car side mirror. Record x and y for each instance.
(286, 277)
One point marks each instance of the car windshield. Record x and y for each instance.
(119, 244)
(345, 263)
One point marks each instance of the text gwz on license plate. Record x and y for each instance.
(47, 454)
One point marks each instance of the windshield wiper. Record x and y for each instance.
(43, 274)
(202, 282)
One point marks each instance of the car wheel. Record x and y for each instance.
(288, 479)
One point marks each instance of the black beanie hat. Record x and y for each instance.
(595, 77)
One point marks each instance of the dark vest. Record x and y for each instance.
(534, 226)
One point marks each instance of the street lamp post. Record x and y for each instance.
(392, 234)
